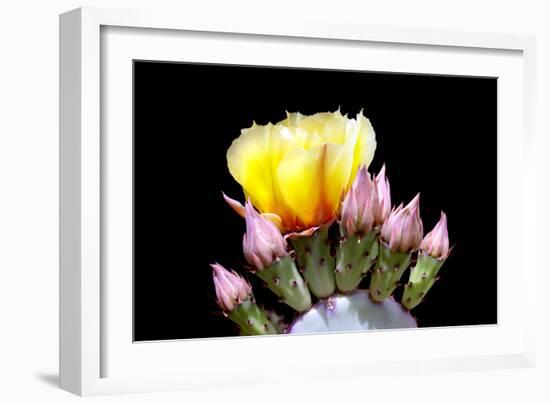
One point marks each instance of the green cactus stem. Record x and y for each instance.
(316, 262)
(251, 319)
(387, 272)
(355, 256)
(283, 278)
(422, 276)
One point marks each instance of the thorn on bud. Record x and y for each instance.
(307, 251)
(349, 266)
(294, 283)
(276, 280)
(408, 300)
(378, 292)
(422, 293)
(322, 261)
(424, 275)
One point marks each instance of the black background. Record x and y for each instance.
(436, 134)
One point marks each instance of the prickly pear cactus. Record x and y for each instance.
(322, 234)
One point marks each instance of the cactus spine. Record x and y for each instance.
(422, 277)
(316, 262)
(387, 272)
(355, 256)
(283, 278)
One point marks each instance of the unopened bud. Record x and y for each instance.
(359, 205)
(436, 242)
(231, 289)
(403, 230)
(263, 242)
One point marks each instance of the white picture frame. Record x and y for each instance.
(97, 355)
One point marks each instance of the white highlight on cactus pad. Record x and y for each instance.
(348, 313)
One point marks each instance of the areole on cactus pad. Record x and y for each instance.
(321, 232)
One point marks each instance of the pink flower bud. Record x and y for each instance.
(359, 204)
(263, 243)
(231, 289)
(383, 208)
(436, 243)
(403, 230)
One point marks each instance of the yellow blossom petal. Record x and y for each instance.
(365, 145)
(312, 181)
(299, 168)
(337, 169)
(298, 177)
(248, 161)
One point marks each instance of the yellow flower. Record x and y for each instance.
(298, 170)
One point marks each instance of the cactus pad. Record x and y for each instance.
(352, 312)
(355, 256)
(251, 319)
(423, 275)
(387, 272)
(316, 262)
(283, 278)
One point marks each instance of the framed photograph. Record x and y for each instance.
(320, 195)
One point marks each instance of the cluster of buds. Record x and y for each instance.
(374, 233)
(367, 204)
(375, 238)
